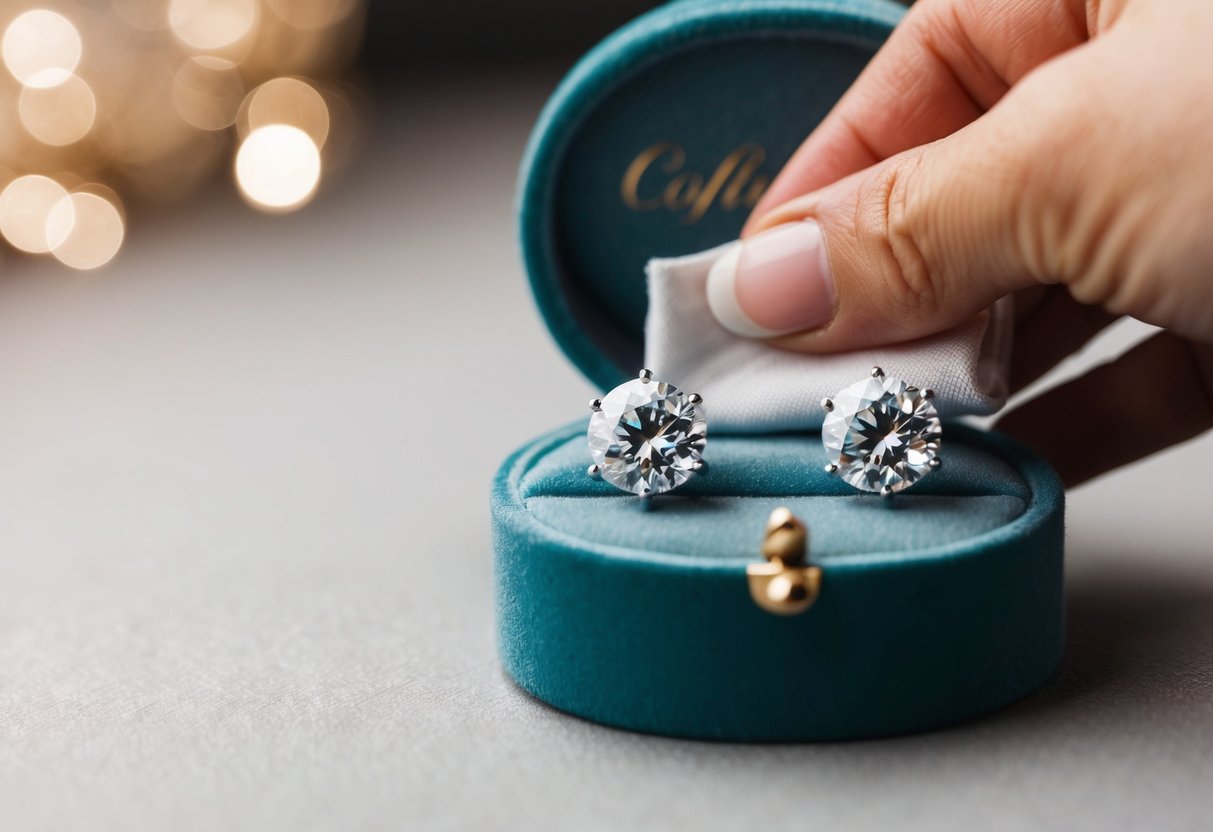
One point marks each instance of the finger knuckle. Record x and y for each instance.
(910, 282)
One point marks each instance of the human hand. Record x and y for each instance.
(1054, 149)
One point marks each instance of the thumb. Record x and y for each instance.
(909, 247)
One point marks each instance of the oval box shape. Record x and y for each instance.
(935, 607)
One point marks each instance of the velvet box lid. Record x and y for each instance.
(937, 609)
(660, 141)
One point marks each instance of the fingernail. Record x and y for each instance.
(773, 283)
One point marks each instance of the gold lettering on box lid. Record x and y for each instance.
(657, 179)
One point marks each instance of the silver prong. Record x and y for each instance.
(831, 468)
(827, 404)
(646, 502)
(886, 492)
(877, 372)
(928, 393)
(595, 472)
(700, 467)
(646, 375)
(911, 389)
(935, 464)
(595, 405)
(695, 398)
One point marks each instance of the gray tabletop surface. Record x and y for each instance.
(245, 572)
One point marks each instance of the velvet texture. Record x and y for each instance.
(935, 608)
(706, 80)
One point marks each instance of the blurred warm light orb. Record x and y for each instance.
(211, 24)
(142, 125)
(311, 14)
(207, 92)
(58, 115)
(84, 230)
(155, 97)
(25, 205)
(278, 167)
(41, 48)
(148, 15)
(287, 101)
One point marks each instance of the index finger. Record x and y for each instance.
(947, 63)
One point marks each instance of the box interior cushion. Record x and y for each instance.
(659, 142)
(935, 607)
(721, 515)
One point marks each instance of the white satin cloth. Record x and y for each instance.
(749, 386)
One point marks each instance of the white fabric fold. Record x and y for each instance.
(751, 387)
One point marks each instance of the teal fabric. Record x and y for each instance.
(779, 465)
(975, 493)
(935, 608)
(710, 76)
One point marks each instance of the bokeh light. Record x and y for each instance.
(41, 48)
(145, 101)
(311, 14)
(278, 167)
(58, 115)
(25, 206)
(287, 101)
(84, 230)
(207, 92)
(145, 127)
(211, 24)
(148, 15)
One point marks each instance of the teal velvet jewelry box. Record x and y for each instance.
(937, 608)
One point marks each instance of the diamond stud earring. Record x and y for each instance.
(881, 434)
(647, 436)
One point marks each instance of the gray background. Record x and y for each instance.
(245, 576)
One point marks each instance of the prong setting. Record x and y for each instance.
(935, 464)
(881, 437)
(635, 461)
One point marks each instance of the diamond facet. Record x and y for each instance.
(882, 434)
(647, 437)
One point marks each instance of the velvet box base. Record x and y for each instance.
(935, 607)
